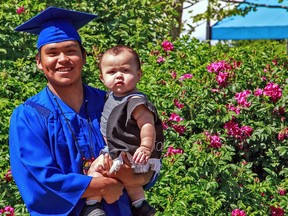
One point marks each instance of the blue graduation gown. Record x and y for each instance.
(45, 162)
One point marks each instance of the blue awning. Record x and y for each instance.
(264, 23)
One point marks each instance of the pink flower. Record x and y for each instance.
(167, 46)
(281, 111)
(221, 69)
(173, 74)
(283, 134)
(175, 117)
(20, 10)
(155, 52)
(8, 176)
(238, 212)
(215, 141)
(258, 92)
(222, 79)
(164, 125)
(237, 64)
(8, 211)
(276, 211)
(241, 98)
(273, 91)
(216, 67)
(160, 59)
(185, 76)
(234, 130)
(178, 104)
(233, 108)
(246, 131)
(282, 192)
(171, 151)
(179, 128)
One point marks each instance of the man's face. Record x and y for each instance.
(61, 62)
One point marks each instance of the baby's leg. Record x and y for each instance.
(136, 193)
(139, 205)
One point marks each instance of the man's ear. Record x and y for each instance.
(140, 73)
(84, 57)
(38, 61)
(101, 77)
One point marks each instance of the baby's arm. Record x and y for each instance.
(145, 121)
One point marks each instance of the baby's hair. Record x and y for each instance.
(118, 49)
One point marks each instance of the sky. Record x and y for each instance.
(200, 32)
(200, 7)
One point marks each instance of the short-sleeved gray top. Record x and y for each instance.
(121, 129)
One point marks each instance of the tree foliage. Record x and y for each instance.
(136, 23)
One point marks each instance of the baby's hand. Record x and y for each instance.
(142, 155)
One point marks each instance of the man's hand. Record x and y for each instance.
(101, 164)
(109, 188)
(112, 190)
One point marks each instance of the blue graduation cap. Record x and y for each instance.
(55, 25)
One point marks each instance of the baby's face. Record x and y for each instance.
(120, 73)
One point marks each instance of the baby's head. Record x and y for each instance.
(120, 70)
(118, 50)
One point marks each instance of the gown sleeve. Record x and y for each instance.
(45, 189)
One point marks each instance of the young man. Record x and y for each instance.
(54, 135)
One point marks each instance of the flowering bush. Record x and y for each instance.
(225, 120)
